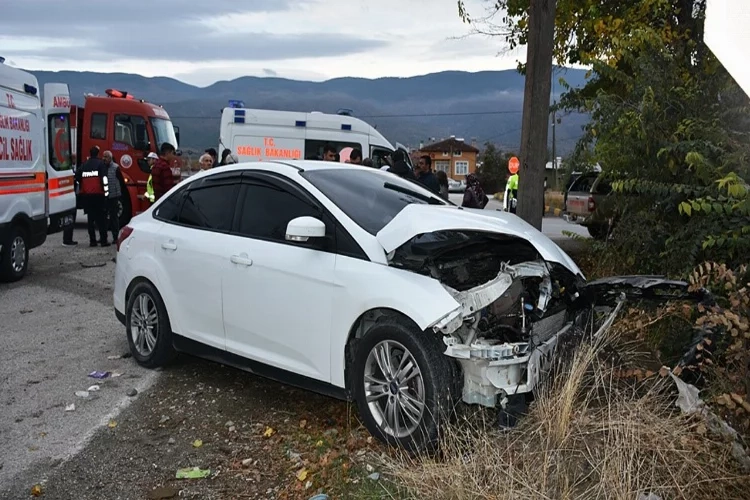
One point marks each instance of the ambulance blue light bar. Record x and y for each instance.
(233, 103)
(300, 123)
(29, 89)
(345, 126)
(239, 116)
(239, 119)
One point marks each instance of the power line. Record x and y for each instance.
(416, 115)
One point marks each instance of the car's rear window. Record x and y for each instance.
(369, 197)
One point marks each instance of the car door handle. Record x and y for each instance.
(242, 260)
(169, 245)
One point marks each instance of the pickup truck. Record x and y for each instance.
(587, 203)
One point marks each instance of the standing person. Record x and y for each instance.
(151, 160)
(205, 162)
(214, 157)
(510, 200)
(474, 196)
(400, 167)
(355, 157)
(94, 190)
(329, 153)
(68, 240)
(114, 200)
(442, 179)
(224, 155)
(163, 178)
(425, 176)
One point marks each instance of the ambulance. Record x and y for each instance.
(37, 193)
(261, 134)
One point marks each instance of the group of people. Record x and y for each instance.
(98, 185)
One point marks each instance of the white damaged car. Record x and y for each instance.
(354, 283)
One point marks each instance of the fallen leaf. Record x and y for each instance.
(36, 490)
(301, 474)
(192, 473)
(302, 424)
(112, 424)
(649, 373)
(269, 432)
(663, 371)
(197, 443)
(701, 429)
(319, 443)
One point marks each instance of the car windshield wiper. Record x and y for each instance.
(400, 189)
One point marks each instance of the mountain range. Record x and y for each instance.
(485, 106)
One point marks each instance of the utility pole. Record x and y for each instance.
(536, 111)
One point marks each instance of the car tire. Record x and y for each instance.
(407, 414)
(148, 328)
(14, 256)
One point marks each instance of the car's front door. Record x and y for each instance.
(192, 252)
(278, 295)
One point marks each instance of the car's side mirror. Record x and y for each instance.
(302, 229)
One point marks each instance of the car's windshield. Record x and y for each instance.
(370, 198)
(164, 132)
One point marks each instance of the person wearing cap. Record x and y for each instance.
(151, 160)
(510, 200)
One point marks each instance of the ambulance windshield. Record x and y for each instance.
(164, 132)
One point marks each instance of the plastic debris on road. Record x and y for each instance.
(36, 490)
(112, 424)
(192, 473)
(82, 394)
(99, 374)
(197, 443)
(70, 407)
(93, 388)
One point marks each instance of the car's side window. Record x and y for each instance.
(169, 209)
(210, 207)
(267, 210)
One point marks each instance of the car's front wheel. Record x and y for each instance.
(402, 385)
(147, 326)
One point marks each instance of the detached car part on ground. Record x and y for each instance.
(443, 304)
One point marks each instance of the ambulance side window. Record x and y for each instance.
(314, 147)
(99, 126)
(59, 142)
(378, 156)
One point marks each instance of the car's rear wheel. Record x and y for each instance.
(14, 256)
(148, 328)
(402, 385)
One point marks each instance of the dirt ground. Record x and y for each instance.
(259, 439)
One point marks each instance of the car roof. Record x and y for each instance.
(287, 167)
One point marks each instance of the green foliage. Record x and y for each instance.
(494, 170)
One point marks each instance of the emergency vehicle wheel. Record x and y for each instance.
(124, 210)
(148, 328)
(14, 257)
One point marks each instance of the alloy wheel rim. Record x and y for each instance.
(18, 254)
(144, 327)
(394, 389)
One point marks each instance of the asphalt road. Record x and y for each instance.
(56, 326)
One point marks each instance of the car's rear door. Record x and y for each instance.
(278, 295)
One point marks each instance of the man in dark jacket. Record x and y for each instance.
(93, 192)
(425, 176)
(400, 167)
(161, 172)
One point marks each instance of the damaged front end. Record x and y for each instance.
(514, 306)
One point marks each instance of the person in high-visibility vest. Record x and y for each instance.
(151, 159)
(510, 200)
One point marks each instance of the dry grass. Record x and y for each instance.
(553, 199)
(588, 435)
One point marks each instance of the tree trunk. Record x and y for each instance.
(536, 110)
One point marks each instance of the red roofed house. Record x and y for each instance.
(453, 156)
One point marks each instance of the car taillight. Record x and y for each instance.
(592, 204)
(124, 233)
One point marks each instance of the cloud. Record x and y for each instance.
(169, 30)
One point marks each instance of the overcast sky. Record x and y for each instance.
(202, 41)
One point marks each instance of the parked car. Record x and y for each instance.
(455, 186)
(587, 203)
(351, 282)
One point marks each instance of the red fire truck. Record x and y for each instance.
(131, 128)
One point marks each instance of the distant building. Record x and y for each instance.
(453, 156)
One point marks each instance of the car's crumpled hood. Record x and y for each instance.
(415, 219)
